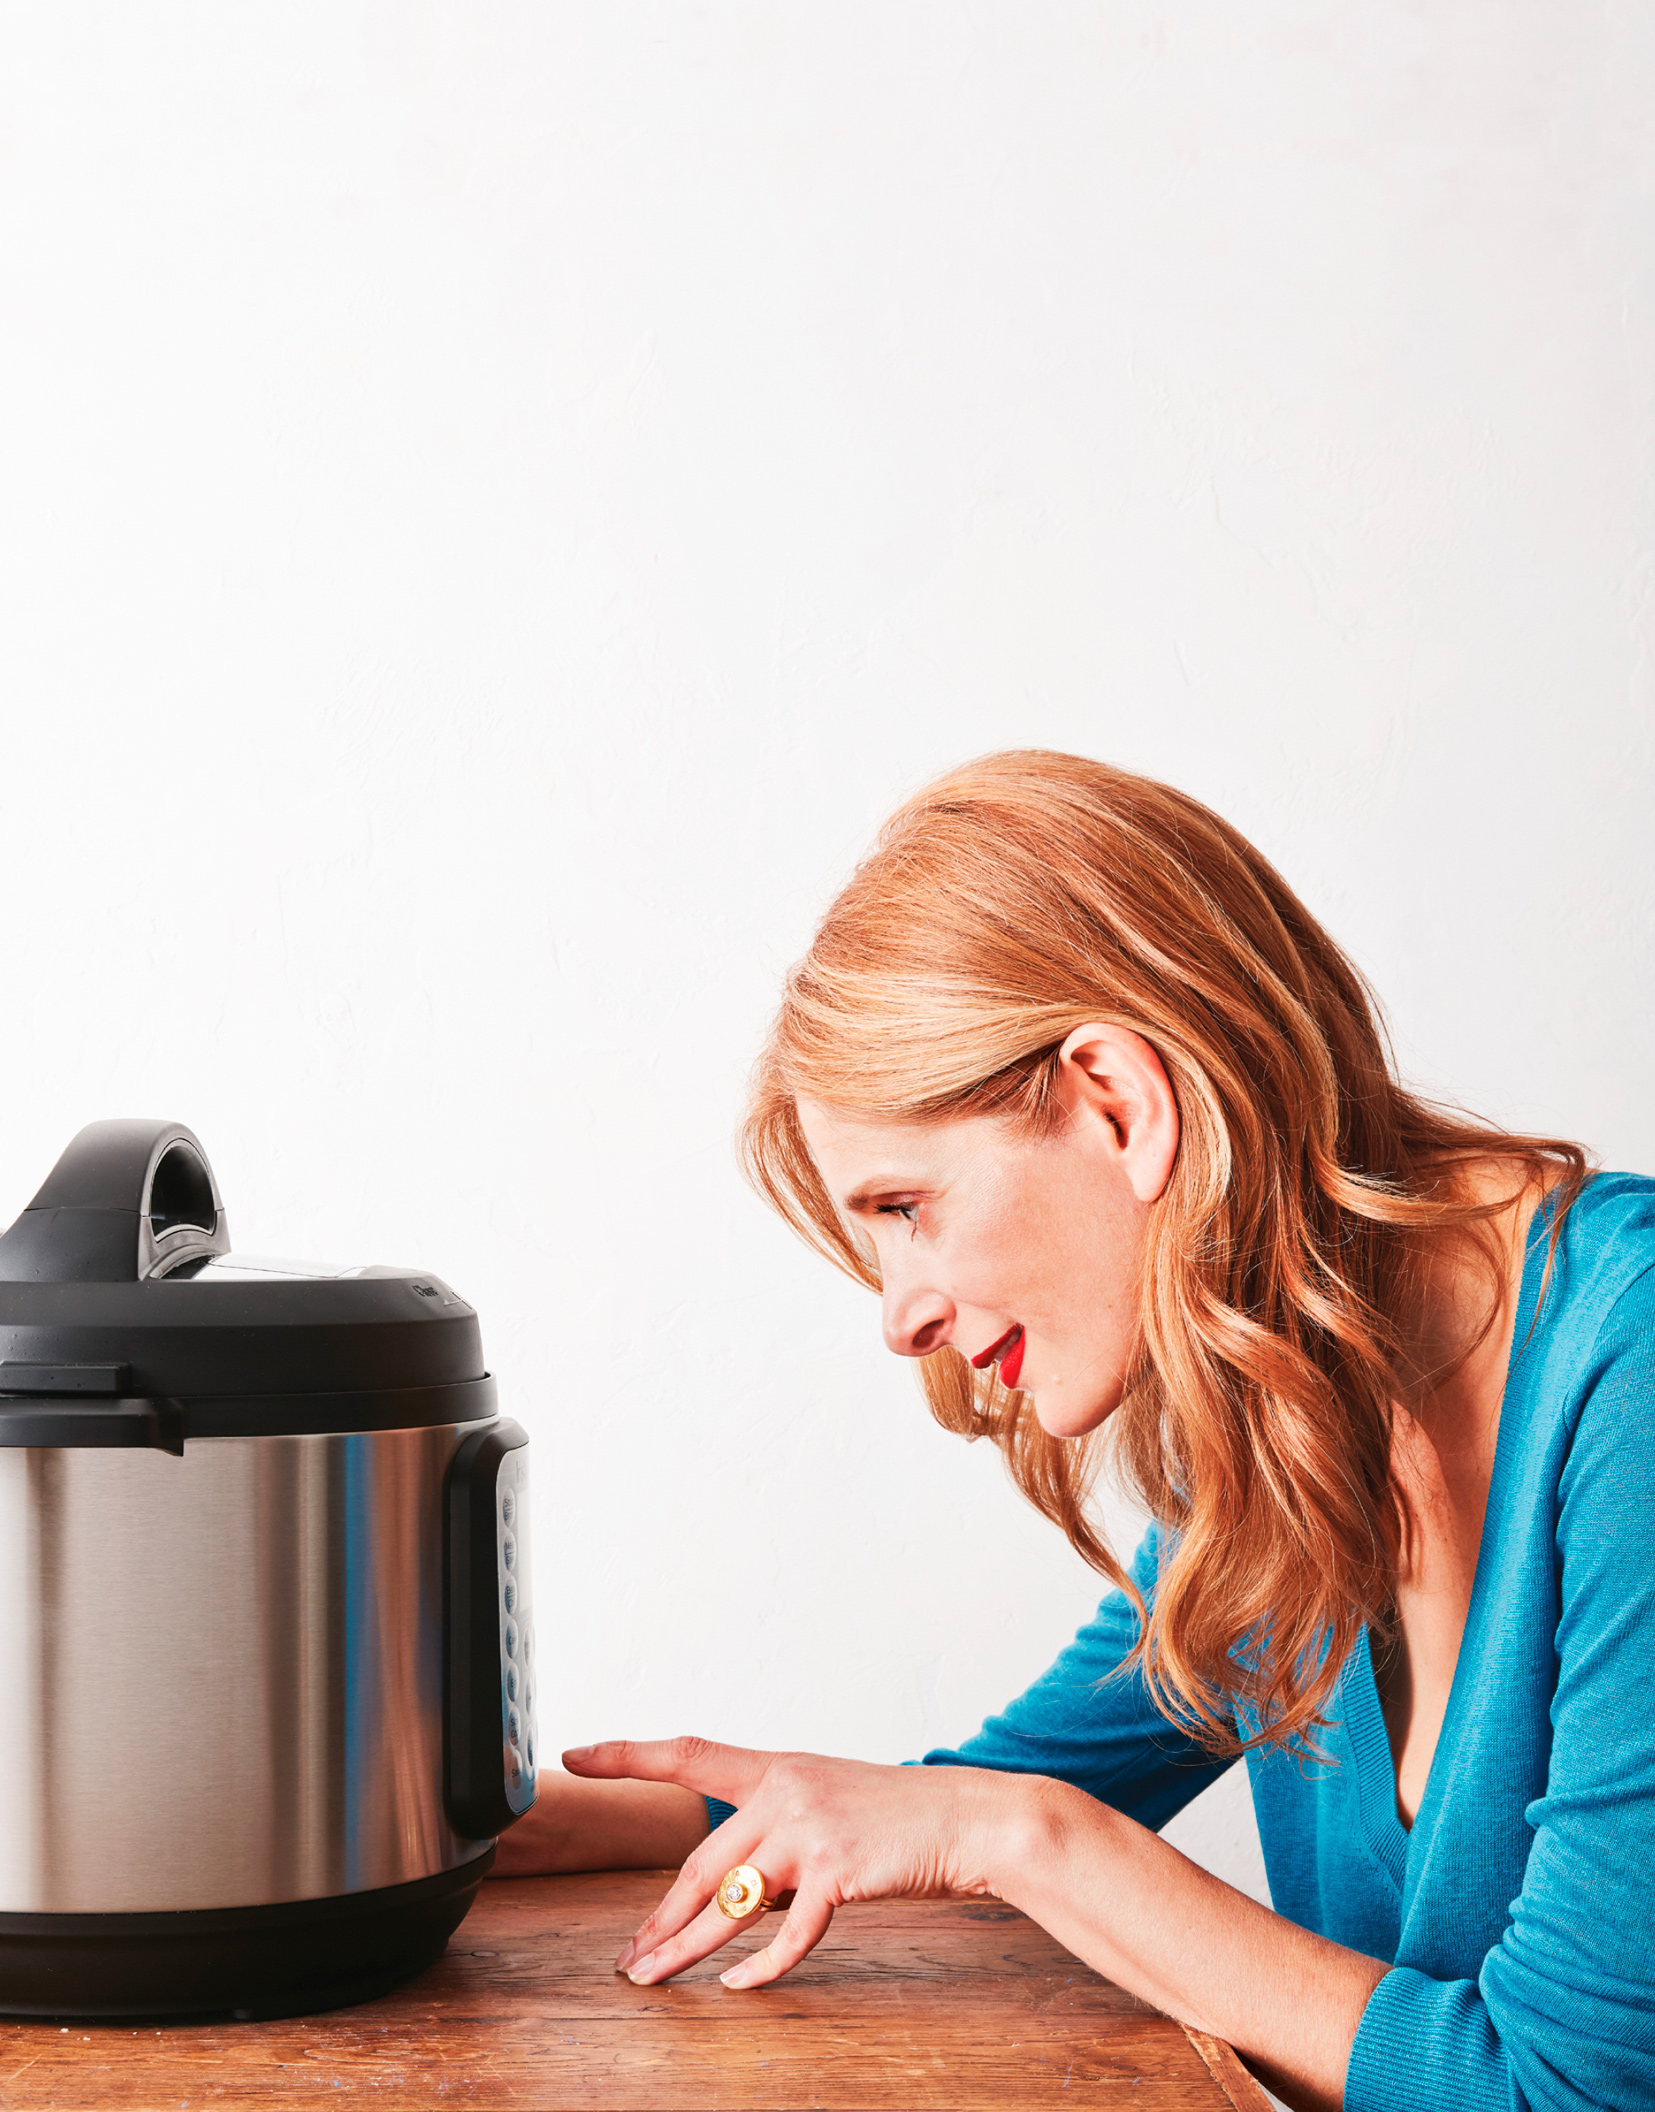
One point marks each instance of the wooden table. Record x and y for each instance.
(955, 2005)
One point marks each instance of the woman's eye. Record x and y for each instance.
(910, 1211)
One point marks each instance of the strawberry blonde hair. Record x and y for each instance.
(1030, 893)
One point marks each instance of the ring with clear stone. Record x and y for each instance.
(741, 1893)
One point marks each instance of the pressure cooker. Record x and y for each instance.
(267, 1660)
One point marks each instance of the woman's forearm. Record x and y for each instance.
(579, 1825)
(1171, 1933)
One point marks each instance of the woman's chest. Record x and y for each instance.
(1434, 1893)
(1445, 1495)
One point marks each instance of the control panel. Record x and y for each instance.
(511, 1512)
(489, 1672)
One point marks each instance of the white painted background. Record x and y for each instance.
(497, 500)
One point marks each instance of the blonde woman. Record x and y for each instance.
(1073, 1080)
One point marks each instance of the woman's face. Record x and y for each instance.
(1019, 1250)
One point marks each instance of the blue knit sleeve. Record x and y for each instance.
(1561, 2016)
(1102, 1733)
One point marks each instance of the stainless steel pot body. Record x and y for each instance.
(221, 1674)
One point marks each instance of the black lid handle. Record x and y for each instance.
(126, 1201)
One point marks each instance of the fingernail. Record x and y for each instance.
(625, 1959)
(737, 1976)
(639, 1974)
(579, 1752)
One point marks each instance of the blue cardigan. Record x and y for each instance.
(1518, 1912)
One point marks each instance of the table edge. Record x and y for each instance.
(1242, 2089)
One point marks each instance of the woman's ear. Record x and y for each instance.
(1115, 1078)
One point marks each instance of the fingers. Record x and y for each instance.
(691, 1891)
(688, 1946)
(806, 1924)
(730, 1772)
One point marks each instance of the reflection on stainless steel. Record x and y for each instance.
(221, 1675)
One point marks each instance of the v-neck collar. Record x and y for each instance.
(1387, 1838)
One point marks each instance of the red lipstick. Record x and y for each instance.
(1007, 1352)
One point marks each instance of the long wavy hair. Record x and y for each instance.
(1027, 894)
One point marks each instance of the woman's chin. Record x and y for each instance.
(1065, 1417)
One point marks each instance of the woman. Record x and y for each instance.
(1072, 1078)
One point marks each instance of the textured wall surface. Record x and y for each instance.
(495, 503)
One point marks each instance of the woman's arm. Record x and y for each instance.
(1083, 1720)
(1112, 1892)
(576, 1825)
(1169, 1932)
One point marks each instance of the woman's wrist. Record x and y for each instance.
(1024, 1824)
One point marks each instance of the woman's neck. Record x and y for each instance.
(1470, 1280)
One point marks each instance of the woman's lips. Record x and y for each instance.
(1007, 1352)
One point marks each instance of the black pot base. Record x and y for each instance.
(244, 1964)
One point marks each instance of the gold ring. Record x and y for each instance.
(741, 1893)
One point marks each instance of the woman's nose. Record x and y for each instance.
(917, 1320)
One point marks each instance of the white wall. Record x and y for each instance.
(497, 500)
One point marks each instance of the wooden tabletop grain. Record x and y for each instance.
(958, 2005)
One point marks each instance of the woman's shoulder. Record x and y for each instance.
(1606, 1244)
(1590, 1332)
(1604, 1193)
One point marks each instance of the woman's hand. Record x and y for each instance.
(1111, 1892)
(825, 1830)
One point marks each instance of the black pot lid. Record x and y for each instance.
(118, 1279)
